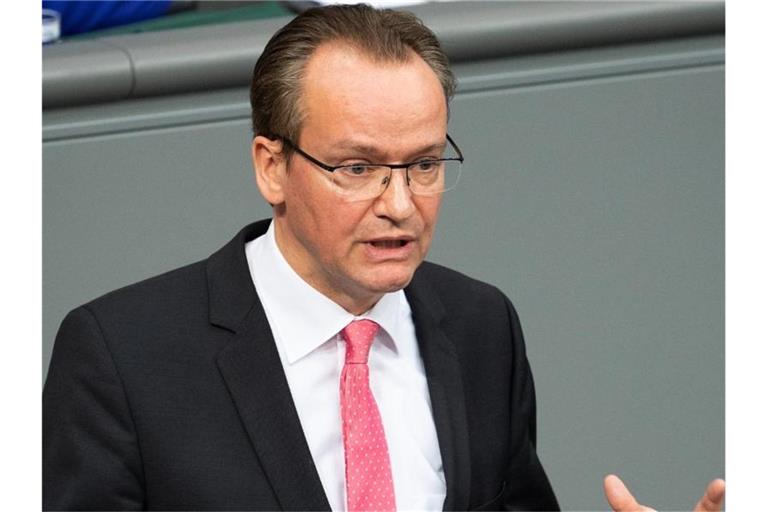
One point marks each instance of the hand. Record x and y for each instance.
(621, 500)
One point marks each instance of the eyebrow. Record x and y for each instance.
(349, 145)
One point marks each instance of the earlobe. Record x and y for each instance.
(269, 168)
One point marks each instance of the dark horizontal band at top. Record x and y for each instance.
(219, 56)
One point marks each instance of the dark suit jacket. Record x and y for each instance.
(169, 394)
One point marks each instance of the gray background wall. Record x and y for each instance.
(593, 196)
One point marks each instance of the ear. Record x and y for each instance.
(269, 165)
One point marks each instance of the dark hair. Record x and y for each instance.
(382, 34)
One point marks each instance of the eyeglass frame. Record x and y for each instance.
(392, 167)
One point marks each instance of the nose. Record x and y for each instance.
(396, 202)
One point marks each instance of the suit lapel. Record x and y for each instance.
(446, 390)
(251, 369)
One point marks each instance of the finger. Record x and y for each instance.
(619, 497)
(713, 497)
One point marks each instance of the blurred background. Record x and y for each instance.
(593, 196)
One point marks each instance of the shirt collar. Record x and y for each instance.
(303, 317)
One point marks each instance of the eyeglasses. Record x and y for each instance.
(359, 182)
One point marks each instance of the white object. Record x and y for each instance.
(51, 26)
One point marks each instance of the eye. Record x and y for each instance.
(357, 170)
(426, 165)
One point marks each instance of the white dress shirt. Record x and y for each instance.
(306, 326)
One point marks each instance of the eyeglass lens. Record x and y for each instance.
(361, 182)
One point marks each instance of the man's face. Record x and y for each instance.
(357, 111)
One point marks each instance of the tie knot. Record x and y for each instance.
(358, 336)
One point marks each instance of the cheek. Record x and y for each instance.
(332, 240)
(309, 205)
(328, 226)
(429, 207)
(429, 211)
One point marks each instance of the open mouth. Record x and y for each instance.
(389, 244)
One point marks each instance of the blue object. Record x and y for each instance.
(80, 16)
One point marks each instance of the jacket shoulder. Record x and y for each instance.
(179, 285)
(154, 309)
(463, 298)
(450, 283)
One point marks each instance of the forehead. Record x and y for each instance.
(349, 95)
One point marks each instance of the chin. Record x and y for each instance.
(391, 281)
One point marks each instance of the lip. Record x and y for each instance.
(379, 253)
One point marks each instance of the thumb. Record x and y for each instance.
(713, 497)
(619, 497)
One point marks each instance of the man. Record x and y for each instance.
(315, 361)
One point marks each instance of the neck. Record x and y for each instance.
(296, 257)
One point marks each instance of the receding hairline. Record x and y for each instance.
(380, 35)
(344, 43)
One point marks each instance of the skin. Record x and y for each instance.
(357, 110)
(621, 500)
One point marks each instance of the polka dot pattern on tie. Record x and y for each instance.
(366, 458)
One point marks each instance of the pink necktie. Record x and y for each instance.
(368, 474)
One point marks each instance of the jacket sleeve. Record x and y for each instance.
(91, 457)
(527, 485)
